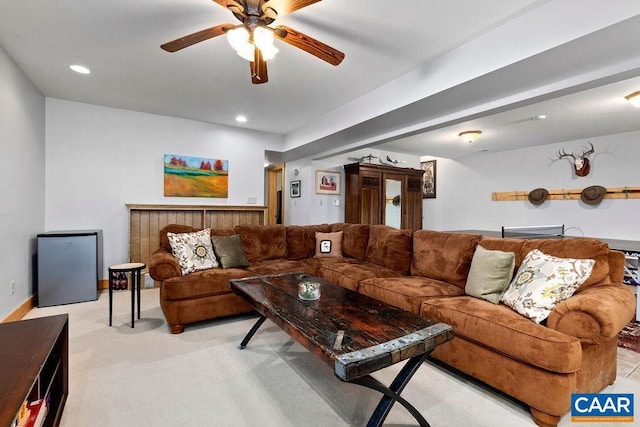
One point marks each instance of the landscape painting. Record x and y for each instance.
(186, 176)
(327, 182)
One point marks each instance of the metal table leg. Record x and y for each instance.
(110, 296)
(253, 330)
(392, 393)
(139, 285)
(133, 295)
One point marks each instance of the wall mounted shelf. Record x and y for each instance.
(567, 194)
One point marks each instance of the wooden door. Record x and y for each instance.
(275, 195)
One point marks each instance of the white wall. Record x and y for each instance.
(465, 187)
(22, 122)
(312, 208)
(99, 159)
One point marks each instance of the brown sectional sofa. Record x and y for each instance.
(425, 272)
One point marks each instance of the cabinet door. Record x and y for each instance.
(412, 203)
(370, 198)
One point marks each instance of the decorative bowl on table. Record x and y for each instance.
(309, 291)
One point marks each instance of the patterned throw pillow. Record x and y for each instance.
(193, 251)
(328, 244)
(543, 281)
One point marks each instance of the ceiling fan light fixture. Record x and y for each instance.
(470, 135)
(238, 38)
(634, 99)
(268, 52)
(263, 38)
(247, 52)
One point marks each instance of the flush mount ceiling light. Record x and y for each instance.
(241, 119)
(634, 99)
(80, 69)
(470, 135)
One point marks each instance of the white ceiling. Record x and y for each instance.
(315, 106)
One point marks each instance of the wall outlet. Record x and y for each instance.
(12, 287)
(252, 200)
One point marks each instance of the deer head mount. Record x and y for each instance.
(581, 162)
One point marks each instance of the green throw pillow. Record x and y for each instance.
(490, 274)
(228, 249)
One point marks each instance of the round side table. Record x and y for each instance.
(134, 269)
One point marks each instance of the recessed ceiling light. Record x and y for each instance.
(241, 119)
(540, 117)
(80, 69)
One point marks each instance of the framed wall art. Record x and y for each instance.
(327, 182)
(428, 179)
(294, 189)
(186, 176)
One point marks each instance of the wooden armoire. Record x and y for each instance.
(379, 194)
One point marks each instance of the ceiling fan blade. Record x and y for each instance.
(279, 8)
(200, 36)
(309, 44)
(233, 6)
(258, 68)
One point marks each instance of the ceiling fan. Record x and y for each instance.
(253, 39)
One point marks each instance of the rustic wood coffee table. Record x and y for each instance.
(356, 334)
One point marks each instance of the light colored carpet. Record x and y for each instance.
(146, 376)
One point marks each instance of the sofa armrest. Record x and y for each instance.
(595, 315)
(163, 266)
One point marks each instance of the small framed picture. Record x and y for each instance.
(327, 182)
(428, 179)
(294, 189)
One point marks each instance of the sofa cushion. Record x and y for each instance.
(355, 238)
(497, 327)
(173, 228)
(328, 245)
(223, 232)
(443, 256)
(390, 248)
(201, 283)
(568, 247)
(490, 274)
(349, 274)
(301, 240)
(228, 249)
(263, 242)
(407, 292)
(283, 265)
(193, 251)
(542, 281)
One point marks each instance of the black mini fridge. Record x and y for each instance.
(69, 264)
